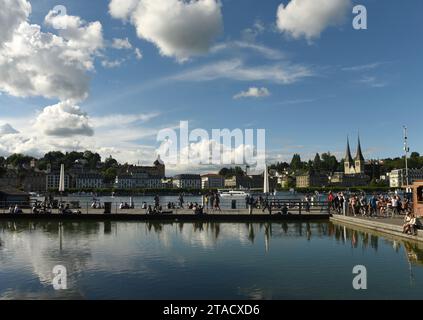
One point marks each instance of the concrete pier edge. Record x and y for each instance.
(381, 227)
(168, 217)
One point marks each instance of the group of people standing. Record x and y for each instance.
(360, 204)
(212, 201)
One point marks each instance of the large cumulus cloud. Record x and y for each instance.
(63, 120)
(36, 63)
(179, 29)
(309, 18)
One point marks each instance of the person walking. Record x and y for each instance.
(250, 204)
(181, 201)
(217, 203)
(267, 205)
(206, 200)
(247, 201)
(212, 198)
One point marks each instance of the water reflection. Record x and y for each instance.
(248, 260)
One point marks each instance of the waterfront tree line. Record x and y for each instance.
(109, 168)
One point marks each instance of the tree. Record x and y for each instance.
(110, 163)
(18, 160)
(109, 175)
(231, 172)
(93, 159)
(55, 158)
(317, 163)
(2, 171)
(280, 166)
(329, 162)
(296, 163)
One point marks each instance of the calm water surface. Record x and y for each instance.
(130, 260)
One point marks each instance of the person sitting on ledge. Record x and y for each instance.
(35, 209)
(285, 209)
(67, 209)
(17, 210)
(198, 209)
(413, 225)
(410, 224)
(405, 226)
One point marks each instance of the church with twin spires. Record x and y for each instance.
(356, 165)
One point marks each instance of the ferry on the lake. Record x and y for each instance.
(233, 193)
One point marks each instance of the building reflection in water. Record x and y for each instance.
(209, 233)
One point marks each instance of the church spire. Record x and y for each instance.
(359, 156)
(348, 157)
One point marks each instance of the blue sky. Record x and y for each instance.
(339, 82)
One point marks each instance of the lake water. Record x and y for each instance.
(131, 260)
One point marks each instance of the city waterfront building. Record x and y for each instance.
(157, 170)
(340, 179)
(398, 179)
(34, 181)
(356, 165)
(355, 169)
(125, 181)
(212, 181)
(249, 182)
(312, 180)
(53, 180)
(9, 179)
(11, 196)
(89, 181)
(187, 181)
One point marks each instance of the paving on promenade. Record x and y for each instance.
(388, 225)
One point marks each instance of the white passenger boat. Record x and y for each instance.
(233, 193)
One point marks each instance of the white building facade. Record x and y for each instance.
(397, 178)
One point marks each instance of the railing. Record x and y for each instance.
(287, 206)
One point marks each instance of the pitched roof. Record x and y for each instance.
(348, 157)
(359, 156)
(12, 191)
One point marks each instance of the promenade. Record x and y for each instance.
(391, 226)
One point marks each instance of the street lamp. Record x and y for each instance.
(406, 150)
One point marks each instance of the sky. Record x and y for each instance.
(108, 75)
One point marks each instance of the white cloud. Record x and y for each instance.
(112, 64)
(63, 120)
(208, 154)
(263, 50)
(179, 29)
(122, 119)
(253, 92)
(250, 34)
(363, 67)
(7, 129)
(309, 18)
(372, 82)
(51, 131)
(35, 63)
(138, 53)
(12, 14)
(122, 9)
(121, 44)
(236, 70)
